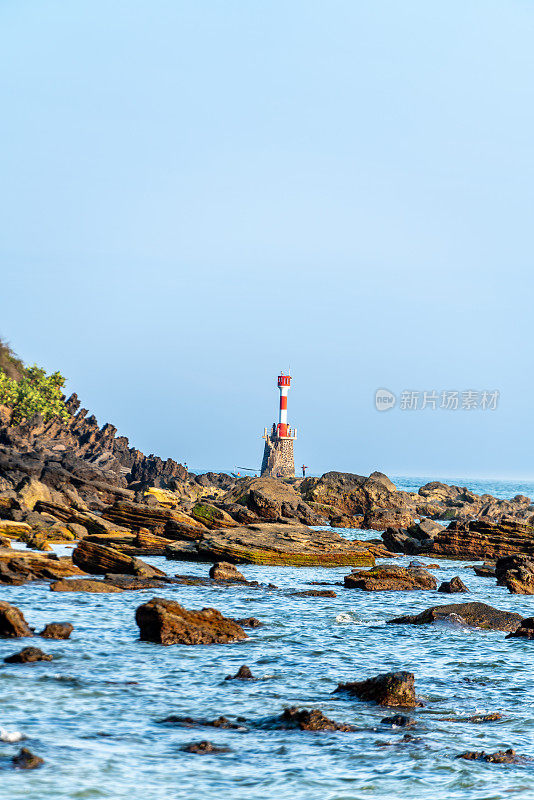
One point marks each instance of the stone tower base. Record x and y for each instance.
(278, 460)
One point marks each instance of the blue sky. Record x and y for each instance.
(197, 195)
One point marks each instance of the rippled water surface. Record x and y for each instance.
(93, 712)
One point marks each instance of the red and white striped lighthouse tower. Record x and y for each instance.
(278, 460)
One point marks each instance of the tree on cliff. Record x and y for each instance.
(29, 390)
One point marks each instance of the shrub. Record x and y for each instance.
(29, 390)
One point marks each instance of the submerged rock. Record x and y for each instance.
(25, 759)
(500, 757)
(204, 747)
(192, 722)
(389, 689)
(167, 622)
(390, 578)
(28, 655)
(249, 622)
(12, 622)
(476, 615)
(313, 720)
(525, 629)
(57, 630)
(242, 674)
(315, 593)
(475, 719)
(454, 586)
(398, 721)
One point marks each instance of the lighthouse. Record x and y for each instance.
(278, 460)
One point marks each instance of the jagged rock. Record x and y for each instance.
(27, 655)
(97, 560)
(242, 674)
(500, 757)
(389, 689)
(167, 521)
(204, 747)
(476, 615)
(315, 593)
(453, 586)
(390, 578)
(374, 500)
(12, 622)
(166, 622)
(277, 544)
(223, 571)
(25, 759)
(57, 630)
(84, 585)
(487, 570)
(29, 565)
(480, 539)
(272, 500)
(313, 720)
(525, 629)
(516, 573)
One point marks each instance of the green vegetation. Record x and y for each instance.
(29, 390)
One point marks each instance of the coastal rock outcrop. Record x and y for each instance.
(278, 544)
(389, 689)
(525, 629)
(516, 573)
(97, 560)
(25, 759)
(242, 674)
(454, 586)
(57, 630)
(390, 578)
(481, 539)
(500, 757)
(12, 622)
(223, 571)
(476, 615)
(271, 500)
(167, 622)
(84, 585)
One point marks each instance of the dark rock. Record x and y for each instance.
(487, 570)
(98, 560)
(315, 593)
(516, 573)
(453, 586)
(476, 719)
(57, 630)
(481, 539)
(204, 747)
(12, 622)
(242, 674)
(390, 578)
(249, 622)
(27, 655)
(476, 615)
(389, 689)
(131, 583)
(223, 571)
(500, 757)
(313, 720)
(398, 721)
(525, 629)
(167, 622)
(25, 759)
(191, 722)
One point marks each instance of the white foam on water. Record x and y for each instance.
(10, 736)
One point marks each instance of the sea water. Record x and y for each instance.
(94, 713)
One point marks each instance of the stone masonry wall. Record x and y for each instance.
(278, 460)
